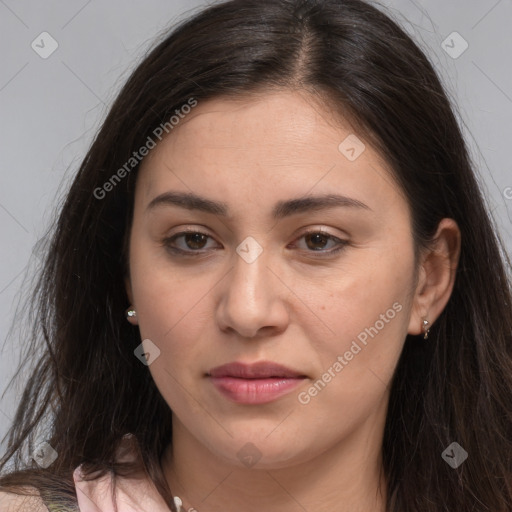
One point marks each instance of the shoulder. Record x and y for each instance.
(10, 502)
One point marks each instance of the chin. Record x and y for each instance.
(261, 452)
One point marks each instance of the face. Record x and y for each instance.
(323, 287)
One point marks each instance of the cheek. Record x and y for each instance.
(367, 315)
(364, 312)
(169, 309)
(170, 313)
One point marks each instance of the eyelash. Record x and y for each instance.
(191, 253)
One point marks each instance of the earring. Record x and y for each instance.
(178, 503)
(425, 329)
(130, 313)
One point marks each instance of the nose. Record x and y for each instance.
(253, 301)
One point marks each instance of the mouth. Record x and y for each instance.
(257, 383)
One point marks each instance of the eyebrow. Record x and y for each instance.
(191, 201)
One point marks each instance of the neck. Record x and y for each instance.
(347, 478)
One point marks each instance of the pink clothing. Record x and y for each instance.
(132, 494)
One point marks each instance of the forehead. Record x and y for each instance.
(292, 121)
(263, 146)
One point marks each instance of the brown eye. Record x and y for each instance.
(317, 240)
(192, 243)
(195, 240)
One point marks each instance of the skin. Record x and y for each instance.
(290, 305)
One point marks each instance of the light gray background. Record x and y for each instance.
(50, 108)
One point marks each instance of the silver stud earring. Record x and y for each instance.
(426, 330)
(131, 313)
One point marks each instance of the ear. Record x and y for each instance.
(128, 287)
(436, 276)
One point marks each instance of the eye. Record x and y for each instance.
(316, 241)
(194, 243)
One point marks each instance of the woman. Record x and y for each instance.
(273, 285)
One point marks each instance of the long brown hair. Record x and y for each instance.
(456, 388)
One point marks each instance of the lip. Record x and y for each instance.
(259, 370)
(255, 383)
